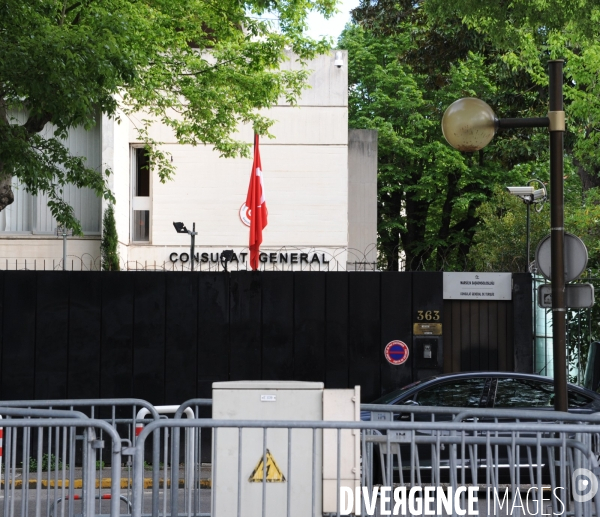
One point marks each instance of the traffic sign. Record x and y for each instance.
(396, 352)
(577, 296)
(576, 257)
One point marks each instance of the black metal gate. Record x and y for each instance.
(166, 336)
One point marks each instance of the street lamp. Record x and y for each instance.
(180, 228)
(530, 195)
(469, 125)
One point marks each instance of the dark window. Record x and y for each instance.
(141, 225)
(523, 393)
(142, 183)
(459, 393)
(577, 399)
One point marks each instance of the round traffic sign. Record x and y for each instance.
(396, 352)
(576, 257)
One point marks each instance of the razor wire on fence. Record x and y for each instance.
(286, 258)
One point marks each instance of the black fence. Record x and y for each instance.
(165, 337)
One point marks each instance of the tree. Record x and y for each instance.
(532, 31)
(202, 67)
(403, 73)
(110, 241)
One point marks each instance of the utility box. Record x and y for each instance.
(233, 468)
(340, 406)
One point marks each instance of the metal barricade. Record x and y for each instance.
(535, 462)
(41, 464)
(171, 468)
(122, 415)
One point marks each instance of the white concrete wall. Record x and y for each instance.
(362, 197)
(305, 176)
(43, 252)
(30, 214)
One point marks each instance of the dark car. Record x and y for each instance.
(480, 390)
(489, 390)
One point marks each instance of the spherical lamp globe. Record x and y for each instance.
(469, 124)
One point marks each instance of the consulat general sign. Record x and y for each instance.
(265, 257)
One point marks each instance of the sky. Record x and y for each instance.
(319, 26)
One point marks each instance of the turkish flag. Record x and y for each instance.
(255, 201)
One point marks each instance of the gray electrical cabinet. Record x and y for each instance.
(238, 460)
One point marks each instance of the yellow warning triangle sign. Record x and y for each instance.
(273, 472)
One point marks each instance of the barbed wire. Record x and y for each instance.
(285, 258)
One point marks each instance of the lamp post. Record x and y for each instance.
(529, 195)
(180, 228)
(469, 125)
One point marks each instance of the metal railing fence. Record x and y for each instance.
(39, 466)
(534, 454)
(276, 468)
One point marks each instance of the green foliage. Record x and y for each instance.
(508, 21)
(528, 33)
(199, 66)
(428, 192)
(110, 241)
(409, 61)
(49, 462)
(500, 241)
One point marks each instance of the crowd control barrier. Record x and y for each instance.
(414, 461)
(41, 465)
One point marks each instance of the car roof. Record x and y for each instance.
(471, 375)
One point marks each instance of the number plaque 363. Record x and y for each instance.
(428, 315)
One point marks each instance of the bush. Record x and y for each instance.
(110, 241)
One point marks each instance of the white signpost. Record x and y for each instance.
(478, 286)
(577, 296)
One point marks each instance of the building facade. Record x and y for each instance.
(319, 179)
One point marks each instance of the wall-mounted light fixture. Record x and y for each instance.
(180, 228)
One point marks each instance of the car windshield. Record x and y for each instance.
(389, 397)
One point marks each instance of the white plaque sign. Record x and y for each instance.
(478, 286)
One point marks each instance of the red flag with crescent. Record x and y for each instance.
(255, 201)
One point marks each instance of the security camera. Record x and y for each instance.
(339, 59)
(539, 194)
(521, 191)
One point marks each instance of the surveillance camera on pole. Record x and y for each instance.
(521, 191)
(530, 196)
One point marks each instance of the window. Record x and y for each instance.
(30, 214)
(459, 393)
(140, 199)
(523, 393)
(577, 399)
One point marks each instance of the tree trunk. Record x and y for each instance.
(416, 225)
(444, 231)
(6, 194)
(33, 125)
(588, 180)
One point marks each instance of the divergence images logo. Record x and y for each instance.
(585, 485)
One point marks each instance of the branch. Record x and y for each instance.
(35, 123)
